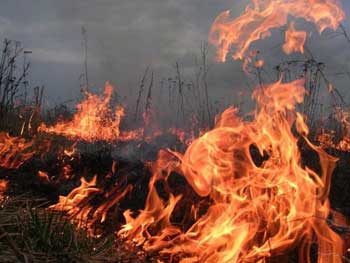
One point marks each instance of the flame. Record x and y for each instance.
(3, 185)
(66, 173)
(76, 203)
(295, 40)
(71, 151)
(327, 139)
(14, 151)
(260, 17)
(156, 211)
(94, 120)
(261, 200)
(3, 188)
(43, 176)
(256, 211)
(259, 63)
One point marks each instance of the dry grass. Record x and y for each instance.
(31, 233)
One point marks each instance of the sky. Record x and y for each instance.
(126, 36)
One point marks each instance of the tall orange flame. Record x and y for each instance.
(257, 211)
(262, 200)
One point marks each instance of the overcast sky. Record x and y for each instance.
(125, 36)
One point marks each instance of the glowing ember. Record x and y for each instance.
(327, 139)
(260, 63)
(71, 151)
(262, 16)
(3, 188)
(43, 176)
(3, 185)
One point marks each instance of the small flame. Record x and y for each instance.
(94, 120)
(43, 176)
(14, 151)
(75, 204)
(3, 185)
(327, 139)
(259, 63)
(3, 188)
(71, 151)
(295, 40)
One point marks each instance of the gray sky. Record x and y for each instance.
(124, 36)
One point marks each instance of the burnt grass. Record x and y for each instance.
(23, 213)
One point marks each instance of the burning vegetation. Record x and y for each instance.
(262, 187)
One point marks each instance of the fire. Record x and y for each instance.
(295, 40)
(256, 211)
(71, 151)
(327, 139)
(14, 151)
(75, 204)
(43, 176)
(94, 120)
(260, 63)
(183, 136)
(261, 17)
(156, 211)
(3, 188)
(3, 185)
(262, 201)
(257, 199)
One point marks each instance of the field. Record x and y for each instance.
(173, 174)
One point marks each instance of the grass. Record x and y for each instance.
(31, 233)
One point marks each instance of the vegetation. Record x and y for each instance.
(31, 233)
